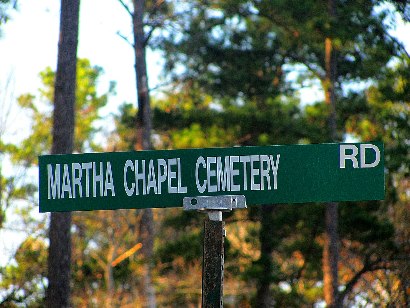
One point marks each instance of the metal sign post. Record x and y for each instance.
(214, 233)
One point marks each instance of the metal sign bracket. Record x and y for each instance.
(214, 205)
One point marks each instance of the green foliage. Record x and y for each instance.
(230, 55)
(123, 137)
(190, 244)
(273, 121)
(24, 281)
(387, 116)
(88, 104)
(238, 48)
(383, 113)
(98, 239)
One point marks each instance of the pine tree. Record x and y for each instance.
(59, 259)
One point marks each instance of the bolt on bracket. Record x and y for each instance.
(214, 203)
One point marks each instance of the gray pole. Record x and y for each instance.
(213, 262)
(214, 234)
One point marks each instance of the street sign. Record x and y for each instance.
(264, 175)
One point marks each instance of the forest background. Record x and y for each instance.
(233, 75)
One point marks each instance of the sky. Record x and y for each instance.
(29, 44)
(30, 39)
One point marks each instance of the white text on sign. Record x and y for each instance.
(163, 176)
(221, 173)
(351, 151)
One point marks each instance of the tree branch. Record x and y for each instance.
(125, 39)
(149, 34)
(126, 7)
(399, 44)
(378, 264)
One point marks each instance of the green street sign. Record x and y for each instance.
(264, 175)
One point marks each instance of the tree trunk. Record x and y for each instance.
(59, 258)
(331, 255)
(263, 295)
(109, 275)
(143, 142)
(144, 122)
(331, 238)
(147, 239)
